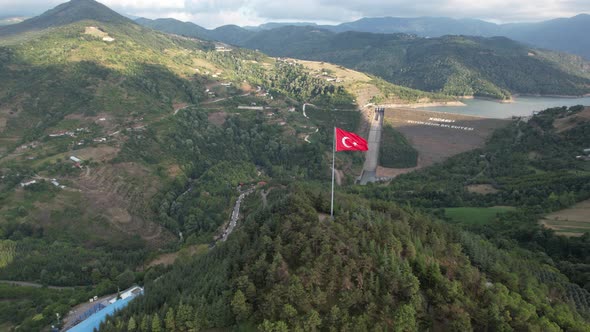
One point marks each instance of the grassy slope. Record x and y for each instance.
(474, 215)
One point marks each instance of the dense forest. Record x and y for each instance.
(377, 266)
(531, 166)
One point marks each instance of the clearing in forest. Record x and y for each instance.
(574, 221)
(476, 215)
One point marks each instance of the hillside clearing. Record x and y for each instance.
(569, 122)
(574, 221)
(482, 189)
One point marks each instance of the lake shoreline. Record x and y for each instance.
(455, 103)
(520, 106)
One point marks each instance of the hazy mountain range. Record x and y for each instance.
(563, 34)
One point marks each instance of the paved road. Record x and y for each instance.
(372, 156)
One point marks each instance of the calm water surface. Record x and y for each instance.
(522, 106)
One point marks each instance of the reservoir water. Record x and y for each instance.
(522, 106)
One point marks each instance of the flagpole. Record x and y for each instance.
(333, 163)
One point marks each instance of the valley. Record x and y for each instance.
(200, 171)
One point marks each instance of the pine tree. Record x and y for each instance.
(156, 324)
(145, 324)
(131, 325)
(169, 320)
(240, 308)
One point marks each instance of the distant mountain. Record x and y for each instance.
(231, 34)
(458, 65)
(421, 26)
(275, 25)
(176, 27)
(66, 13)
(563, 34)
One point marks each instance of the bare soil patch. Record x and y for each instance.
(482, 189)
(436, 144)
(170, 258)
(174, 170)
(122, 193)
(100, 154)
(178, 106)
(571, 121)
(574, 221)
(217, 118)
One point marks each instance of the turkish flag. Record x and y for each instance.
(347, 141)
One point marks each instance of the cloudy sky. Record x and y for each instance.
(213, 13)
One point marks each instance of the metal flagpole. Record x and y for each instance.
(333, 159)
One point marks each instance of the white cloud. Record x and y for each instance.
(211, 13)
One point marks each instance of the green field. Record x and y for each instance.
(475, 215)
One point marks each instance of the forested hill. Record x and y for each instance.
(67, 13)
(385, 264)
(562, 34)
(376, 267)
(456, 65)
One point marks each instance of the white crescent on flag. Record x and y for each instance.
(344, 142)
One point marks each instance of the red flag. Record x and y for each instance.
(347, 141)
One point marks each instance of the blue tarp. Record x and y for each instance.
(93, 322)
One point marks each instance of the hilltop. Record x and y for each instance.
(67, 13)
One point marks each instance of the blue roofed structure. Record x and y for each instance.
(92, 320)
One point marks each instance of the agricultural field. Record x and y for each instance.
(476, 215)
(574, 221)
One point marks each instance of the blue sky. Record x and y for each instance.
(212, 13)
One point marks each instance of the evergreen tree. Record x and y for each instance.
(156, 324)
(131, 325)
(240, 308)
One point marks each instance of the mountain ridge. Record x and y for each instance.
(561, 34)
(67, 13)
(464, 65)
